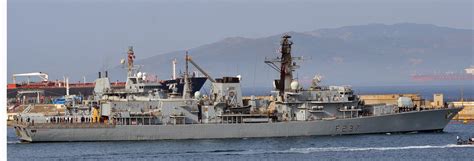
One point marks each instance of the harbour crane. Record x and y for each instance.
(43, 76)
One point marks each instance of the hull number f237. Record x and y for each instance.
(347, 128)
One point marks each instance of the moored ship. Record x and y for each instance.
(58, 88)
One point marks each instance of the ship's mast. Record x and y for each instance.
(131, 57)
(284, 65)
(286, 74)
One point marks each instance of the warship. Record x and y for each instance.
(142, 113)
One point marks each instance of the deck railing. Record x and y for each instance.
(64, 125)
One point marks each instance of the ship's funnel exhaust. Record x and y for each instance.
(174, 69)
(100, 75)
(67, 86)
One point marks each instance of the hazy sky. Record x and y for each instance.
(79, 37)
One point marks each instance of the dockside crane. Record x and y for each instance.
(41, 75)
(189, 59)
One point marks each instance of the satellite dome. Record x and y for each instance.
(197, 94)
(294, 85)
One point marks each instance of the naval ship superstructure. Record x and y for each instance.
(140, 113)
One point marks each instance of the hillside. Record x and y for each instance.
(374, 54)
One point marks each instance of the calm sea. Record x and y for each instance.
(411, 146)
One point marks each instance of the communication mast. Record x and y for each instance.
(284, 65)
(131, 58)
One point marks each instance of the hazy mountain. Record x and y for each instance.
(374, 54)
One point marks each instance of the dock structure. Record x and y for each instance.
(391, 98)
(438, 102)
(467, 113)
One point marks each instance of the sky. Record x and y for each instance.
(80, 37)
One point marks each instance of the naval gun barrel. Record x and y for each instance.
(188, 58)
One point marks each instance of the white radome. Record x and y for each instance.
(197, 94)
(294, 85)
(139, 74)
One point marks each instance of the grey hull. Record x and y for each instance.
(431, 120)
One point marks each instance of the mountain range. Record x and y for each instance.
(373, 54)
